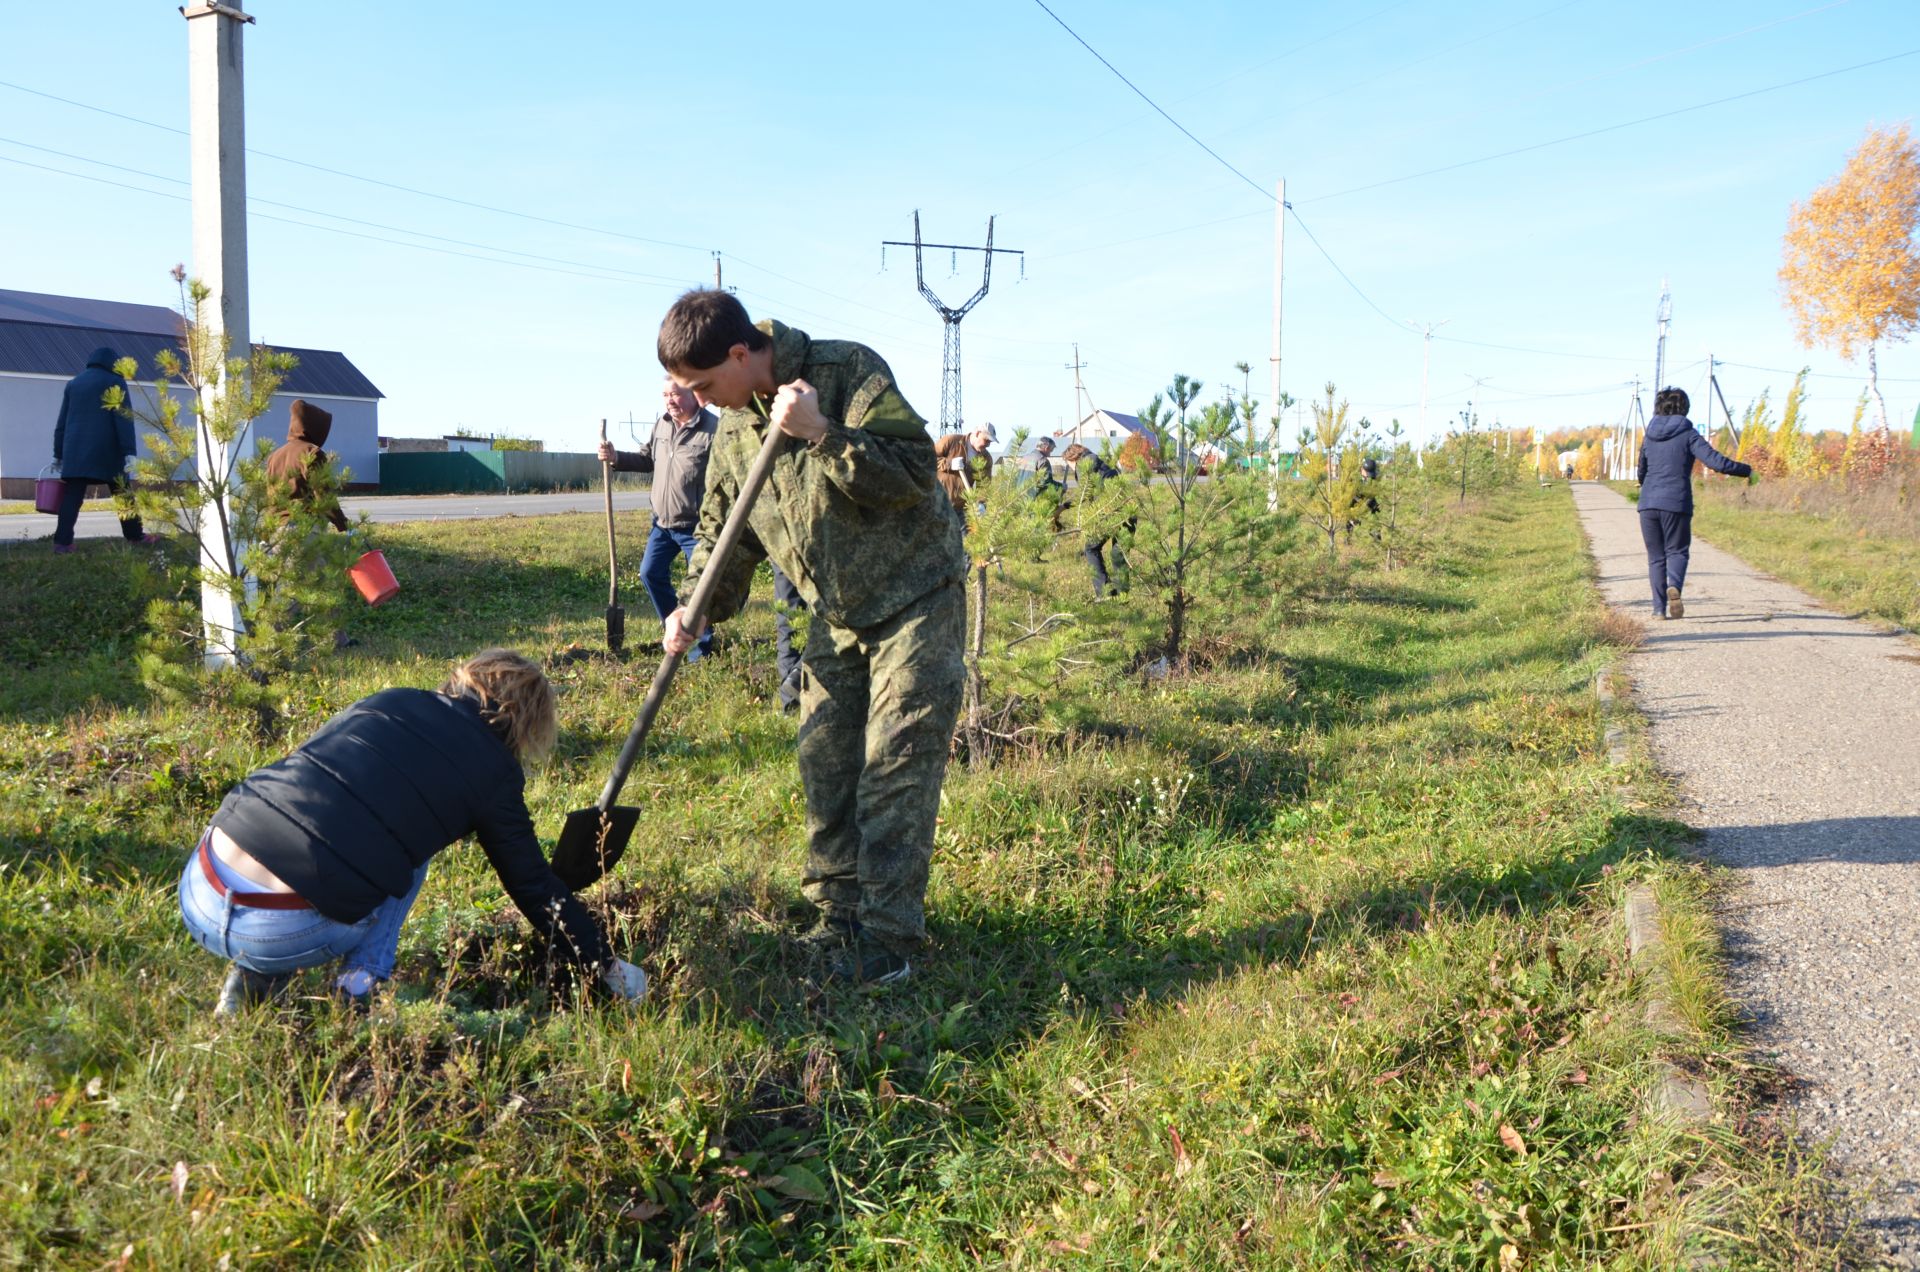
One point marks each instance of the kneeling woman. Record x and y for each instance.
(320, 856)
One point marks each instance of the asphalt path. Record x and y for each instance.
(379, 508)
(1790, 730)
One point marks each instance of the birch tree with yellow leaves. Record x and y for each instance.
(1850, 271)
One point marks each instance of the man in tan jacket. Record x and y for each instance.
(964, 460)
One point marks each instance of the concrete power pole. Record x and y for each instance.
(1080, 412)
(1426, 359)
(1663, 316)
(218, 146)
(1279, 281)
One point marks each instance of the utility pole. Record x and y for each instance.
(218, 149)
(1279, 280)
(1426, 358)
(1714, 394)
(1080, 413)
(951, 418)
(1663, 315)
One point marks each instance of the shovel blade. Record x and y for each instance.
(616, 628)
(591, 843)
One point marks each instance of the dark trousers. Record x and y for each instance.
(656, 571)
(1097, 563)
(787, 662)
(73, 493)
(1668, 536)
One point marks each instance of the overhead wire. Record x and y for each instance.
(1596, 132)
(1818, 375)
(351, 220)
(356, 176)
(587, 270)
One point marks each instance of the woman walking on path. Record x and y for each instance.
(320, 856)
(91, 446)
(1666, 496)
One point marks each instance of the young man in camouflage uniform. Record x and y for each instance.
(854, 515)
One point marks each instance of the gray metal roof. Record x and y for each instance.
(1129, 422)
(52, 335)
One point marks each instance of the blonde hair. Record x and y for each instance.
(513, 694)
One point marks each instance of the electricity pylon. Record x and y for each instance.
(951, 419)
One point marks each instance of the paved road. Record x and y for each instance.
(96, 525)
(1795, 735)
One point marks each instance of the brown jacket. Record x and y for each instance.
(974, 466)
(307, 429)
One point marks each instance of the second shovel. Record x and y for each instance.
(616, 617)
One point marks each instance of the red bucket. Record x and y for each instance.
(371, 575)
(47, 491)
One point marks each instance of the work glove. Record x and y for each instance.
(624, 981)
(1753, 479)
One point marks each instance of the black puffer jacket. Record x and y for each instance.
(379, 790)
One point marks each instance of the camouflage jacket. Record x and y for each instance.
(857, 520)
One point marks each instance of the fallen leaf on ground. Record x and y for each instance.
(1511, 1138)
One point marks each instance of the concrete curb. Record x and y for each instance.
(1675, 1093)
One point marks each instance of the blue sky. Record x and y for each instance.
(793, 139)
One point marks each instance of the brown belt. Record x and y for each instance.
(258, 900)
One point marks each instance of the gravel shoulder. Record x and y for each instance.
(1793, 733)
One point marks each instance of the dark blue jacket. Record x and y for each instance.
(379, 790)
(1666, 464)
(89, 440)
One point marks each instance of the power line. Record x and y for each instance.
(1388, 73)
(589, 272)
(1595, 132)
(351, 220)
(355, 176)
(1561, 86)
(1395, 322)
(1149, 101)
(1818, 375)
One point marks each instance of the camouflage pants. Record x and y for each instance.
(877, 711)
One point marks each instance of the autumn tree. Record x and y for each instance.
(1850, 271)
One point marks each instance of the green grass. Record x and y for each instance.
(1842, 559)
(1308, 958)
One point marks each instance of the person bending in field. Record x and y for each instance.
(855, 516)
(1666, 496)
(319, 856)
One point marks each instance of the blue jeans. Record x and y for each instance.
(656, 571)
(275, 941)
(1669, 538)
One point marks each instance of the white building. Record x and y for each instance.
(45, 340)
(1109, 426)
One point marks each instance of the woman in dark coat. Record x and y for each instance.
(1666, 496)
(319, 856)
(91, 446)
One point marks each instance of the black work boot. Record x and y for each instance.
(867, 964)
(833, 933)
(245, 988)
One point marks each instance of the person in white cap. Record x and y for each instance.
(963, 461)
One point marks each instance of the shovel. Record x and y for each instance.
(616, 617)
(593, 838)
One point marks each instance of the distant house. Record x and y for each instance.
(1109, 426)
(45, 340)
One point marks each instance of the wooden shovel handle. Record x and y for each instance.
(696, 615)
(613, 565)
